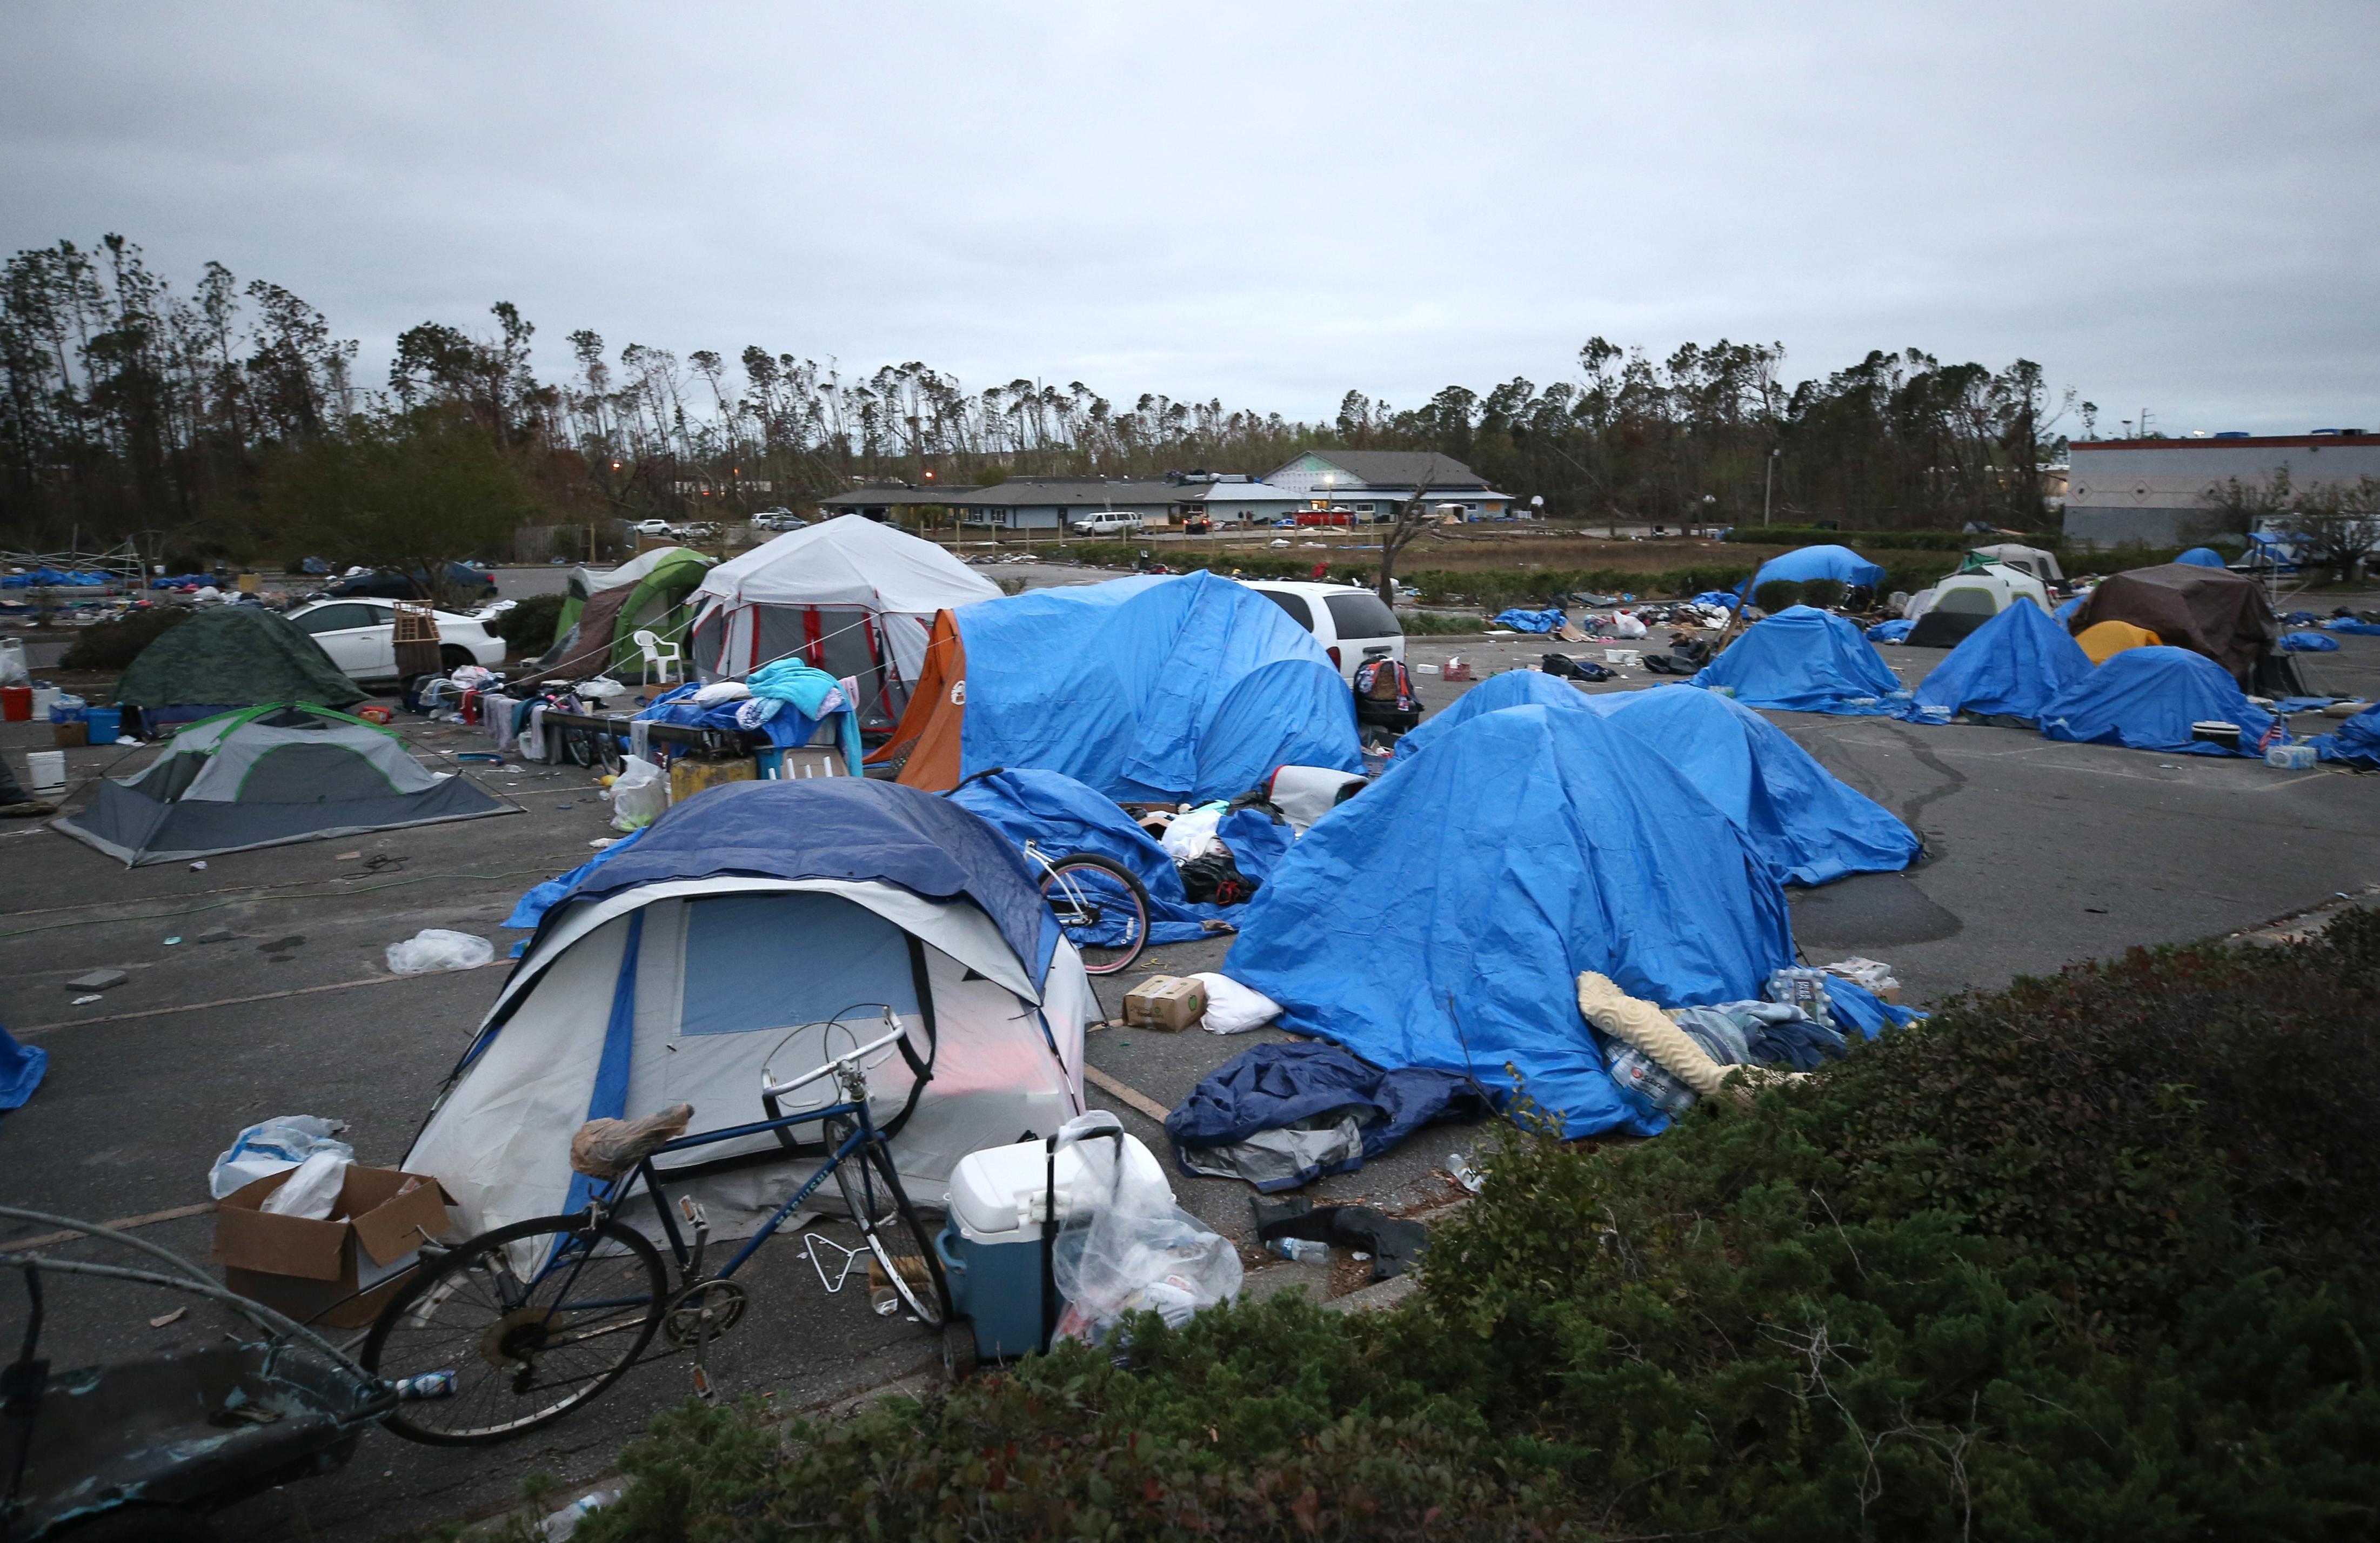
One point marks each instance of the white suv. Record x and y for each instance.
(1107, 522)
(1350, 624)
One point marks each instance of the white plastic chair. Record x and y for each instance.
(666, 657)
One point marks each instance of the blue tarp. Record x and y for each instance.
(2147, 698)
(1811, 825)
(2349, 624)
(2202, 557)
(1061, 816)
(1531, 620)
(1896, 630)
(1513, 688)
(1150, 689)
(1441, 917)
(2014, 664)
(2356, 742)
(1819, 562)
(1805, 660)
(2307, 643)
(840, 828)
(1719, 597)
(1274, 1085)
(2065, 612)
(20, 1069)
(788, 727)
(530, 909)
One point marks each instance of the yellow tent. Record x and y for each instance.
(2104, 640)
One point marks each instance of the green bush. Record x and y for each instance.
(2086, 1258)
(1774, 595)
(1440, 624)
(114, 644)
(1824, 593)
(526, 626)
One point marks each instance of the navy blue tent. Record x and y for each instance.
(1820, 563)
(1811, 825)
(2202, 557)
(2012, 665)
(1061, 816)
(1805, 660)
(837, 828)
(2356, 742)
(1440, 918)
(2147, 698)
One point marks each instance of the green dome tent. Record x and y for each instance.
(266, 776)
(231, 656)
(658, 583)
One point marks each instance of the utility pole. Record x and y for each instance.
(1769, 484)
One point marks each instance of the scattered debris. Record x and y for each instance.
(436, 948)
(281, 945)
(171, 941)
(215, 935)
(85, 1001)
(163, 1319)
(98, 980)
(199, 866)
(345, 857)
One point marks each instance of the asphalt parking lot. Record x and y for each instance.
(2037, 854)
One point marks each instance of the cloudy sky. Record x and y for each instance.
(2173, 207)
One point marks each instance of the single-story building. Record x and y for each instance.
(891, 501)
(1052, 503)
(2155, 492)
(1375, 482)
(1235, 501)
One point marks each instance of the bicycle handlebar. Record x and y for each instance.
(773, 1090)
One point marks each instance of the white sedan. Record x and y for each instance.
(359, 634)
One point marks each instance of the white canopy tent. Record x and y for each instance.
(693, 985)
(850, 597)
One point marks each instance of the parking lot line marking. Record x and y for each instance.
(1127, 1092)
(124, 1224)
(239, 1001)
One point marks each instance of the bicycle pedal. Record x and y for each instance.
(704, 1388)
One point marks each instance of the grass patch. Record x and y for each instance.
(2088, 1257)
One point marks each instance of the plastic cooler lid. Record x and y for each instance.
(996, 1193)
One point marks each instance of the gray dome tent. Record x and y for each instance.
(266, 776)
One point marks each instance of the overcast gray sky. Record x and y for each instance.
(2173, 206)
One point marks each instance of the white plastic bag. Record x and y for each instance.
(640, 795)
(313, 1190)
(1190, 835)
(272, 1147)
(1626, 625)
(12, 664)
(1137, 1251)
(436, 948)
(1233, 1009)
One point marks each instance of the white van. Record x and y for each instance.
(1350, 624)
(1106, 521)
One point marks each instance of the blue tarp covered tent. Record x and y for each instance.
(2014, 665)
(1805, 660)
(2356, 742)
(2147, 698)
(1820, 563)
(1150, 689)
(1550, 621)
(2309, 643)
(1894, 630)
(1514, 688)
(2202, 557)
(1441, 917)
(1811, 825)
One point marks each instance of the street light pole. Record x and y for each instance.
(1768, 485)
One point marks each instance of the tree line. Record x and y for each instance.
(228, 418)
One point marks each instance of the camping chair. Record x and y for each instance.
(667, 657)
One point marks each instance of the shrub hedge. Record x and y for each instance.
(527, 626)
(114, 644)
(2086, 1258)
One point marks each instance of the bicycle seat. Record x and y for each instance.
(606, 1149)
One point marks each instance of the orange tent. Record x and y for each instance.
(926, 741)
(2104, 640)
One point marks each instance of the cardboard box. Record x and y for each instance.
(1166, 1002)
(340, 1271)
(688, 777)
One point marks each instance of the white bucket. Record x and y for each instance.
(47, 769)
(44, 698)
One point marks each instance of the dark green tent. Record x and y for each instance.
(234, 656)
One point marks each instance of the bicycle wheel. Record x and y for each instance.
(1100, 907)
(532, 1320)
(904, 1271)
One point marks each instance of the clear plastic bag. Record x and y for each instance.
(272, 1147)
(313, 1190)
(1135, 1250)
(640, 795)
(436, 948)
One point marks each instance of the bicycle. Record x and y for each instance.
(530, 1321)
(1100, 905)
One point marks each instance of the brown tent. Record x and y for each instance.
(2206, 610)
(587, 652)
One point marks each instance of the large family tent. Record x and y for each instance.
(1805, 563)
(1811, 825)
(654, 591)
(1150, 689)
(2032, 561)
(2208, 610)
(1805, 660)
(230, 656)
(1553, 844)
(2148, 698)
(2010, 666)
(1949, 610)
(266, 776)
(849, 596)
(771, 924)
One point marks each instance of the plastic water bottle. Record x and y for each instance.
(430, 1385)
(1301, 1250)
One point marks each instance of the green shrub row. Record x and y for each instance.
(1904, 540)
(114, 644)
(2089, 1258)
(526, 626)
